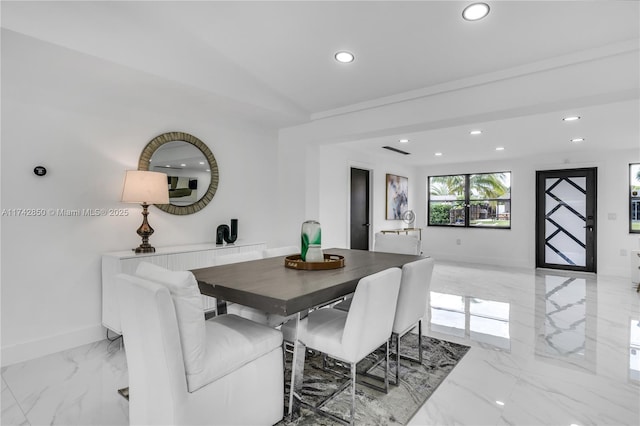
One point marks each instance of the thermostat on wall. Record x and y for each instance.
(40, 170)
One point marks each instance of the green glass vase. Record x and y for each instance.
(311, 242)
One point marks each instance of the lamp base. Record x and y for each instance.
(147, 249)
(145, 231)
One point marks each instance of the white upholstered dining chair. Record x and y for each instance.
(412, 305)
(184, 370)
(351, 336)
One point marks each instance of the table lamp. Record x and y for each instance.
(145, 188)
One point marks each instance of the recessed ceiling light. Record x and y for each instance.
(208, 170)
(576, 140)
(168, 165)
(344, 56)
(500, 148)
(202, 162)
(499, 402)
(571, 118)
(438, 154)
(183, 165)
(403, 140)
(475, 11)
(475, 132)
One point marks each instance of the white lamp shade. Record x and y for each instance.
(145, 187)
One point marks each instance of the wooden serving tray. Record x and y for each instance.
(331, 261)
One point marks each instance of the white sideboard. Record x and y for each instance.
(177, 258)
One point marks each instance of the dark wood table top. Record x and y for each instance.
(266, 284)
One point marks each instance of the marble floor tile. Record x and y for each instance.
(11, 412)
(547, 348)
(573, 352)
(74, 387)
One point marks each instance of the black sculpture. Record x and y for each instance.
(223, 233)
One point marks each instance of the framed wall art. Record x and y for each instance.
(397, 200)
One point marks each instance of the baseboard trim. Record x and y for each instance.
(24, 351)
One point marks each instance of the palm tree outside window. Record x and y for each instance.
(481, 200)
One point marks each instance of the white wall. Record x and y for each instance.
(335, 165)
(516, 247)
(87, 121)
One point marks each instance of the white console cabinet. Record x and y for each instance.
(177, 258)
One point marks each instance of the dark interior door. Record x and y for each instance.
(359, 209)
(566, 219)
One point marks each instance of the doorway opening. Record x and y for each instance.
(360, 221)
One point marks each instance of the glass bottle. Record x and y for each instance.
(311, 242)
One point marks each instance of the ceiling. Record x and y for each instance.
(277, 57)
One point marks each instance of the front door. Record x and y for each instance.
(566, 219)
(359, 209)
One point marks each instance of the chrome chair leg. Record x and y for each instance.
(396, 337)
(420, 340)
(386, 368)
(353, 393)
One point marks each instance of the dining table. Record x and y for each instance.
(268, 285)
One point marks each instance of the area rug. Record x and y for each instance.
(417, 383)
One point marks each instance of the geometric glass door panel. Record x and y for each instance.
(566, 219)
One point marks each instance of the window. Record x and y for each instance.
(634, 198)
(480, 200)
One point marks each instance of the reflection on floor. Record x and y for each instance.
(548, 348)
(480, 320)
(566, 310)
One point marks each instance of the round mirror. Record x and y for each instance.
(191, 168)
